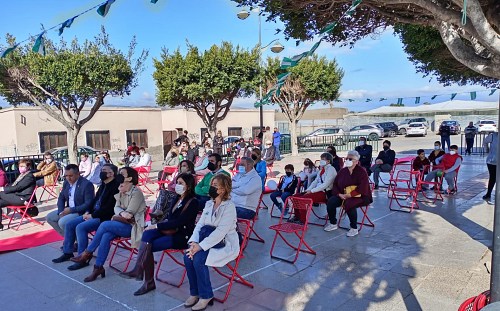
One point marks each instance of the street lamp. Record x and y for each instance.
(275, 48)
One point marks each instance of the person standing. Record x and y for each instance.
(276, 143)
(218, 143)
(207, 142)
(490, 145)
(445, 132)
(470, 133)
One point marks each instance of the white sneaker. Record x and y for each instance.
(330, 227)
(352, 232)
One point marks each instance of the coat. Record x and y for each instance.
(48, 171)
(23, 188)
(323, 182)
(183, 221)
(134, 203)
(106, 193)
(84, 196)
(225, 222)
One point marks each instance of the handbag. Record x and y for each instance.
(122, 219)
(174, 231)
(205, 231)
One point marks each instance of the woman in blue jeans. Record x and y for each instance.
(128, 222)
(173, 233)
(212, 250)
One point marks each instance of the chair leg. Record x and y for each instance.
(175, 260)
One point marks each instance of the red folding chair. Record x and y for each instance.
(180, 262)
(436, 184)
(124, 243)
(167, 170)
(401, 189)
(365, 221)
(51, 189)
(299, 230)
(244, 228)
(297, 190)
(270, 170)
(22, 210)
(144, 179)
(257, 237)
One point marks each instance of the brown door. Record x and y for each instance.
(168, 140)
(140, 137)
(49, 140)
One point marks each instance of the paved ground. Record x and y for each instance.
(432, 259)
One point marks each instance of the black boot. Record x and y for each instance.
(64, 257)
(149, 269)
(138, 271)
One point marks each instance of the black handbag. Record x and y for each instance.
(205, 231)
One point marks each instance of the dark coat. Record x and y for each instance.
(108, 201)
(182, 220)
(387, 156)
(365, 154)
(84, 196)
(358, 178)
(24, 188)
(290, 188)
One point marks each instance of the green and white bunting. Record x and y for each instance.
(103, 9)
(39, 46)
(8, 50)
(453, 96)
(66, 24)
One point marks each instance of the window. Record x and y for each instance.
(140, 137)
(234, 131)
(50, 140)
(331, 131)
(98, 140)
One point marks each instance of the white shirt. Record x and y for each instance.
(144, 160)
(71, 199)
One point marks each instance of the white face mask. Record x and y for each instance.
(142, 153)
(453, 152)
(48, 161)
(348, 163)
(437, 147)
(361, 142)
(179, 189)
(322, 163)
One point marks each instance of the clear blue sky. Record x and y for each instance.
(376, 67)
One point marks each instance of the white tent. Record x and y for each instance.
(444, 107)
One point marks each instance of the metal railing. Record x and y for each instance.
(341, 142)
(477, 147)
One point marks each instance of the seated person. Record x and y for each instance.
(247, 189)
(46, 171)
(308, 173)
(127, 222)
(203, 251)
(383, 162)
(133, 159)
(85, 166)
(449, 164)
(172, 233)
(337, 162)
(260, 165)
(95, 172)
(106, 158)
(201, 165)
(286, 187)
(144, 160)
(351, 189)
(170, 164)
(19, 193)
(365, 153)
(203, 187)
(436, 153)
(320, 188)
(269, 153)
(74, 200)
(132, 147)
(193, 152)
(185, 167)
(101, 210)
(421, 163)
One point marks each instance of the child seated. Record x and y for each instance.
(421, 163)
(286, 187)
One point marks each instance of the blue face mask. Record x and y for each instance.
(241, 169)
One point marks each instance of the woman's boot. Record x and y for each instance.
(98, 270)
(84, 258)
(149, 268)
(138, 271)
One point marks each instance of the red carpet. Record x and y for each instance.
(29, 240)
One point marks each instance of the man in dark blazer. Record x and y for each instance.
(75, 199)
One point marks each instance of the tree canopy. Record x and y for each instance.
(475, 43)
(69, 78)
(207, 82)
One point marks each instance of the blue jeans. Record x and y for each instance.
(198, 275)
(244, 213)
(279, 193)
(77, 228)
(158, 240)
(277, 153)
(106, 232)
(445, 140)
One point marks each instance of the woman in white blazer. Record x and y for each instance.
(215, 249)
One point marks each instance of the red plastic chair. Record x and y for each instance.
(297, 190)
(257, 237)
(299, 230)
(234, 170)
(144, 179)
(401, 189)
(163, 181)
(437, 184)
(51, 189)
(22, 210)
(170, 253)
(270, 170)
(365, 221)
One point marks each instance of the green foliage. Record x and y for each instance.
(429, 54)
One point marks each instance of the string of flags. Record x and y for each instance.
(289, 62)
(39, 46)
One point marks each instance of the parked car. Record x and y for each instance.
(403, 126)
(227, 144)
(455, 128)
(61, 153)
(323, 137)
(390, 128)
(416, 129)
(370, 131)
(486, 126)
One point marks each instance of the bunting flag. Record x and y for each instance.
(400, 101)
(433, 97)
(104, 8)
(473, 95)
(417, 100)
(382, 99)
(8, 50)
(328, 28)
(154, 1)
(66, 24)
(351, 100)
(492, 92)
(368, 100)
(453, 96)
(39, 46)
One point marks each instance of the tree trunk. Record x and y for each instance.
(73, 145)
(293, 138)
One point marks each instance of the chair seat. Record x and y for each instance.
(267, 190)
(287, 227)
(20, 206)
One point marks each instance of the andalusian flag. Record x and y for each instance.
(7, 51)
(104, 8)
(473, 95)
(66, 24)
(39, 46)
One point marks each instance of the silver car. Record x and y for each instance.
(370, 131)
(323, 137)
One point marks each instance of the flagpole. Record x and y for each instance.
(495, 258)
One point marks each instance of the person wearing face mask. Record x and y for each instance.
(133, 159)
(449, 164)
(127, 222)
(309, 172)
(286, 187)
(214, 243)
(193, 152)
(365, 154)
(260, 165)
(269, 153)
(319, 189)
(144, 160)
(207, 142)
(337, 162)
(218, 142)
(172, 233)
(201, 164)
(46, 171)
(170, 164)
(95, 171)
(383, 162)
(203, 187)
(421, 163)
(351, 189)
(101, 209)
(20, 191)
(246, 189)
(436, 153)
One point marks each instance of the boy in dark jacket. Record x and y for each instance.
(286, 187)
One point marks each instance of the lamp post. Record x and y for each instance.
(276, 48)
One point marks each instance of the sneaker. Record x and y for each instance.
(352, 232)
(330, 227)
(486, 197)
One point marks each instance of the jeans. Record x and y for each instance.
(449, 177)
(277, 154)
(59, 223)
(492, 169)
(106, 232)
(198, 275)
(158, 240)
(377, 168)
(278, 193)
(445, 139)
(469, 142)
(244, 213)
(40, 182)
(79, 229)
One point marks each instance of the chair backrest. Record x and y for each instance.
(298, 203)
(56, 177)
(244, 227)
(299, 185)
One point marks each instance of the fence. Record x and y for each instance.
(477, 146)
(341, 142)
